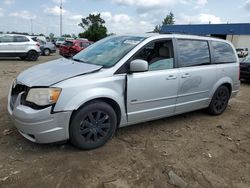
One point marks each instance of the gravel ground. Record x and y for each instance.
(192, 150)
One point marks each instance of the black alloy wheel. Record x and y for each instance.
(219, 101)
(95, 126)
(92, 125)
(32, 55)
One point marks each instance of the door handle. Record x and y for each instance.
(186, 75)
(171, 77)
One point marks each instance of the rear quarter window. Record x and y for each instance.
(21, 39)
(223, 52)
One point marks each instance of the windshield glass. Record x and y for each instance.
(61, 39)
(107, 52)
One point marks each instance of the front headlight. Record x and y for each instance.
(43, 96)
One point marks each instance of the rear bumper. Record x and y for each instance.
(40, 126)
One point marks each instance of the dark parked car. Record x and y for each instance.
(71, 47)
(242, 52)
(245, 68)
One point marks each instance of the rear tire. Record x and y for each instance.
(93, 125)
(32, 55)
(219, 101)
(46, 52)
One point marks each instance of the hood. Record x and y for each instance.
(49, 73)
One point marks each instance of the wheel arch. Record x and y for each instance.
(31, 50)
(107, 100)
(226, 81)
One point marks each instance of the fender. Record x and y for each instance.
(95, 93)
(224, 80)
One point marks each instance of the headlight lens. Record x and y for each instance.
(43, 96)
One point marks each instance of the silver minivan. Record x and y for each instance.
(120, 81)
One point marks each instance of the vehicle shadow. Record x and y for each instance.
(168, 124)
(245, 82)
(10, 59)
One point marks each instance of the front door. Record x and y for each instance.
(6, 45)
(152, 94)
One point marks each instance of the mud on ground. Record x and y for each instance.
(203, 150)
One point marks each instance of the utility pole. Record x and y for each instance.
(61, 18)
(31, 26)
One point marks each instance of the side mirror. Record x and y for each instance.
(138, 65)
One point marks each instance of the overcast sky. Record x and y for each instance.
(121, 16)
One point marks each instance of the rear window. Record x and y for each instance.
(223, 52)
(68, 43)
(193, 53)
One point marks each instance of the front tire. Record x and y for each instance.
(219, 101)
(93, 125)
(32, 55)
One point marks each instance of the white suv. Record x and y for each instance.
(13, 45)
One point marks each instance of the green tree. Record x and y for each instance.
(74, 36)
(169, 19)
(157, 29)
(94, 27)
(66, 35)
(51, 36)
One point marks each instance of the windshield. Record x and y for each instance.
(107, 52)
(61, 39)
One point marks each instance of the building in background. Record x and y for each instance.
(238, 33)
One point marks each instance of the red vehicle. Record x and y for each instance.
(71, 47)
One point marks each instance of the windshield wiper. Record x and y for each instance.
(78, 60)
(82, 61)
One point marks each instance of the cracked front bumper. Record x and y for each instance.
(40, 126)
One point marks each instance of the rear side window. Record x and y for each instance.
(193, 53)
(68, 43)
(21, 39)
(85, 44)
(223, 52)
(6, 38)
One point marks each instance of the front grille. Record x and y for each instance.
(15, 92)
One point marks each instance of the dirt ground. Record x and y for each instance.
(203, 150)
